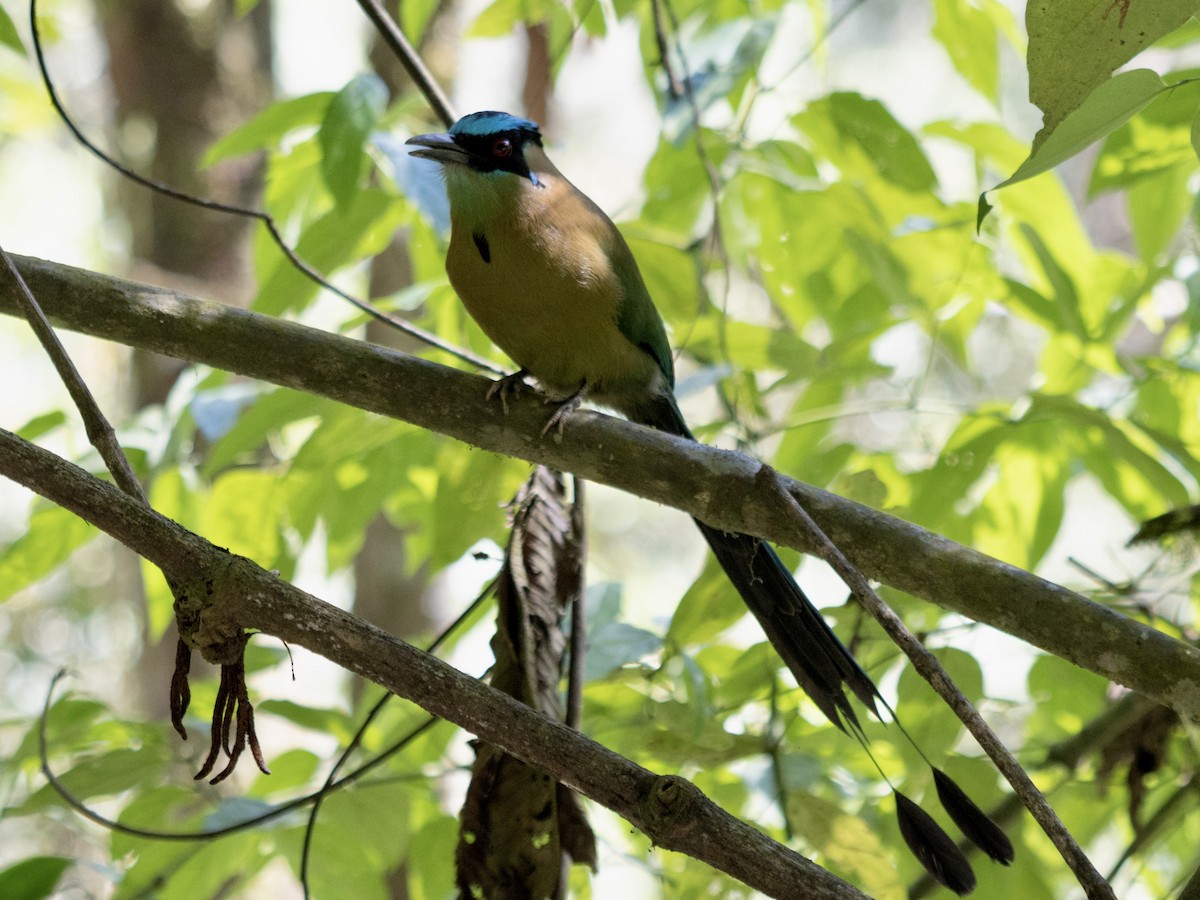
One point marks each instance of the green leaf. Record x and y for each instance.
(218, 867)
(670, 276)
(1074, 45)
(468, 502)
(720, 67)
(676, 193)
(416, 16)
(1021, 513)
(1065, 298)
(747, 346)
(363, 833)
(1195, 133)
(172, 495)
(268, 414)
(70, 725)
(933, 725)
(938, 492)
(9, 38)
(969, 36)
(1157, 138)
(103, 775)
(39, 425)
(709, 607)
(353, 466)
(336, 239)
(873, 141)
(615, 645)
(497, 19)
(332, 722)
(1111, 105)
(1157, 207)
(500, 17)
(242, 514)
(291, 771)
(739, 676)
(991, 142)
(33, 878)
(343, 135)
(235, 810)
(267, 129)
(171, 806)
(847, 844)
(52, 536)
(1125, 461)
(168, 808)
(434, 842)
(1185, 34)
(1063, 697)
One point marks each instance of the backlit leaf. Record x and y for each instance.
(349, 120)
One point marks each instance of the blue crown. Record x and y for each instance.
(488, 122)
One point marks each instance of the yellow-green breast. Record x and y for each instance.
(533, 266)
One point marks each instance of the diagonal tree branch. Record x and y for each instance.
(221, 595)
(100, 433)
(717, 486)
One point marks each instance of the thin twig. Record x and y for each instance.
(675, 87)
(773, 735)
(410, 59)
(931, 670)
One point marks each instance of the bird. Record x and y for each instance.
(551, 281)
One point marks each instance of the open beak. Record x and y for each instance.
(440, 148)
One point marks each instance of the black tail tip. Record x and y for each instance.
(933, 847)
(973, 821)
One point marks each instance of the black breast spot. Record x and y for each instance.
(485, 252)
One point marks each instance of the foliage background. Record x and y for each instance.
(1030, 391)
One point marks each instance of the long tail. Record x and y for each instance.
(820, 662)
(796, 629)
(824, 668)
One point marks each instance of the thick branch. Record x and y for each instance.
(717, 486)
(222, 594)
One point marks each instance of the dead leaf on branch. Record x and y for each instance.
(516, 822)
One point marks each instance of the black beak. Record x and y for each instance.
(440, 148)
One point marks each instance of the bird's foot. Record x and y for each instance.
(508, 386)
(558, 419)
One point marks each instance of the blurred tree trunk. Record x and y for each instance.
(180, 81)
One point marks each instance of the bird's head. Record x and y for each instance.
(488, 143)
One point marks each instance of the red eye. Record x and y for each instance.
(502, 148)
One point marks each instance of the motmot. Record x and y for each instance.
(549, 278)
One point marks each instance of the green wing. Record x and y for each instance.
(638, 318)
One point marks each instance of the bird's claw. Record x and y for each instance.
(514, 385)
(508, 386)
(558, 419)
